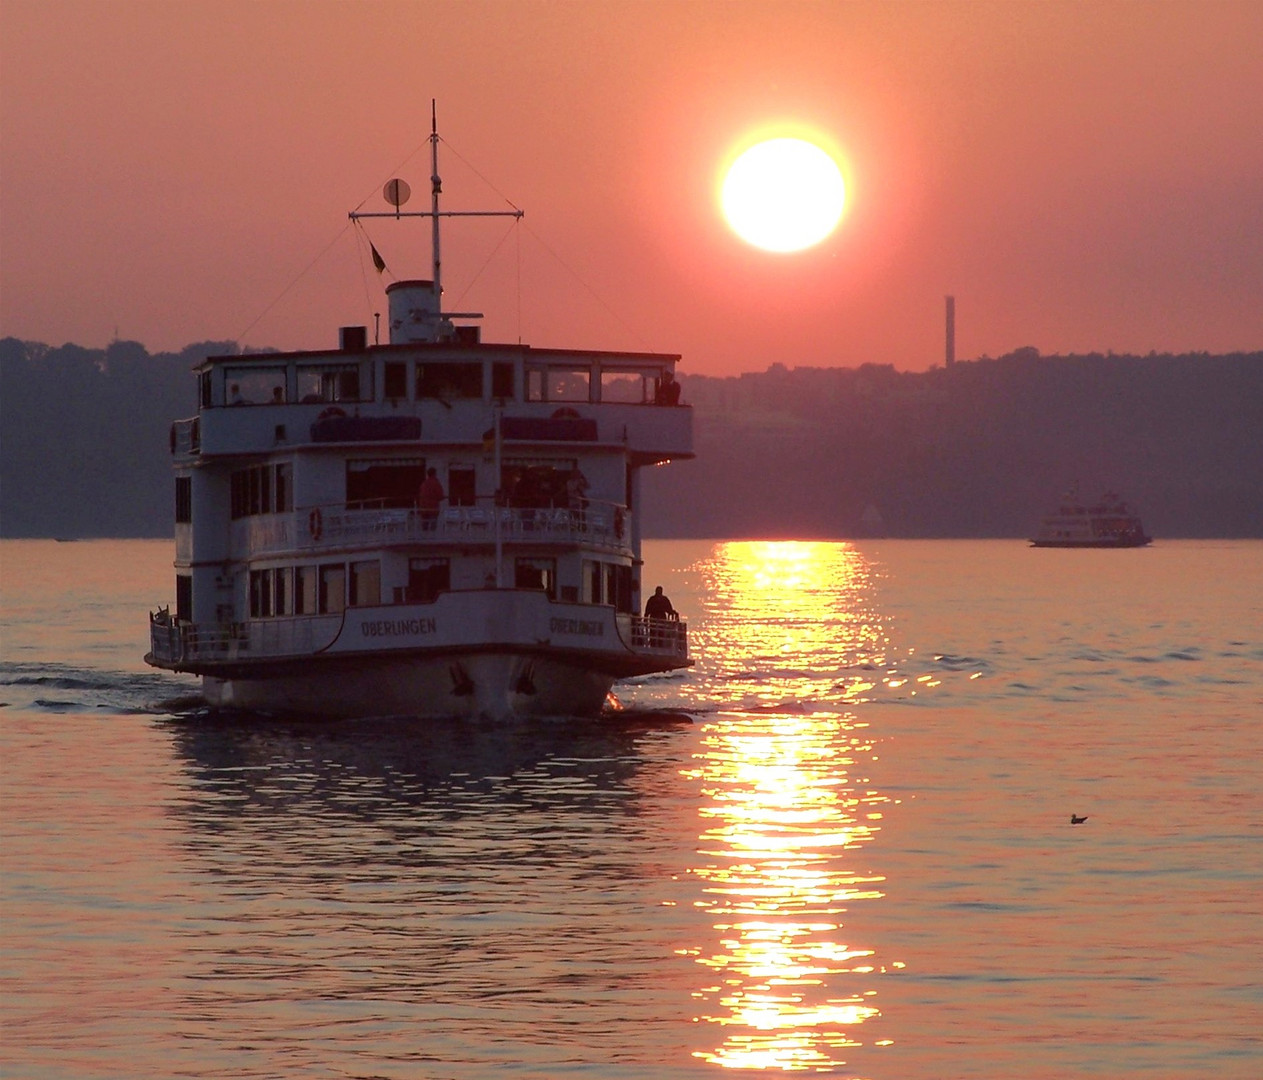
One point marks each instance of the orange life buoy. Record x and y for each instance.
(315, 524)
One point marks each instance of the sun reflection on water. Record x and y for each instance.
(787, 807)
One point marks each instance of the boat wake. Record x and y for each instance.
(58, 688)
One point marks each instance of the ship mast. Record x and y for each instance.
(436, 186)
(396, 192)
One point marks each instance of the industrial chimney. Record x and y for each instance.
(951, 330)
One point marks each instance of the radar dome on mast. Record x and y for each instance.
(416, 313)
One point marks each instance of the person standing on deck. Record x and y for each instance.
(429, 498)
(658, 610)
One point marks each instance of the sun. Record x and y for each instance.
(783, 194)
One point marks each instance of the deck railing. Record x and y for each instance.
(669, 636)
(605, 524)
(173, 642)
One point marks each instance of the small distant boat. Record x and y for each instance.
(1109, 523)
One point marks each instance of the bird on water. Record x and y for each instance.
(1075, 819)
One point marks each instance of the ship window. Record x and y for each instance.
(284, 604)
(261, 489)
(448, 381)
(255, 386)
(329, 382)
(184, 597)
(383, 482)
(568, 385)
(183, 499)
(501, 380)
(625, 387)
(528, 483)
(536, 574)
(204, 390)
(252, 491)
(460, 487)
(427, 578)
(535, 384)
(332, 588)
(262, 584)
(283, 488)
(396, 380)
(592, 578)
(624, 589)
(305, 592)
(366, 583)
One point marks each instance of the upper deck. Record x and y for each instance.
(437, 393)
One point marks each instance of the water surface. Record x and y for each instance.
(852, 855)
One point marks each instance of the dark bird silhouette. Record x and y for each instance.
(1076, 820)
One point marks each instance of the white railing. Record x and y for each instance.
(605, 524)
(174, 642)
(669, 636)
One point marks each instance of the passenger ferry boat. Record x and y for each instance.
(1111, 523)
(315, 575)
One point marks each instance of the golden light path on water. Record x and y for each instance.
(787, 806)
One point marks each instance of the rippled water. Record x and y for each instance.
(840, 844)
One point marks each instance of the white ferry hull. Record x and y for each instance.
(494, 686)
(489, 653)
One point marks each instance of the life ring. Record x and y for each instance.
(331, 412)
(315, 524)
(618, 523)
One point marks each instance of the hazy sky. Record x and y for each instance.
(1081, 176)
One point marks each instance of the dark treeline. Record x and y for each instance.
(979, 449)
(983, 448)
(83, 437)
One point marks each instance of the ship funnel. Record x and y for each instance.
(414, 313)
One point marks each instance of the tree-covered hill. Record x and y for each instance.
(982, 448)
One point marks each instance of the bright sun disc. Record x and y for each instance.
(783, 195)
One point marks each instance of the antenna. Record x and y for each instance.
(397, 192)
(436, 186)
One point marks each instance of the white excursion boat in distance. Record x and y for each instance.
(1111, 523)
(315, 576)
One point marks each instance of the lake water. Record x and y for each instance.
(853, 856)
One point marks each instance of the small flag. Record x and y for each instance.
(378, 261)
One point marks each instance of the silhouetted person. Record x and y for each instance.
(429, 498)
(658, 606)
(668, 392)
(658, 611)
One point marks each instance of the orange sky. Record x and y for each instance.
(1080, 176)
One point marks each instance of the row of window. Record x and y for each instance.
(329, 588)
(388, 483)
(261, 489)
(446, 380)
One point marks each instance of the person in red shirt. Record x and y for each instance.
(429, 498)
